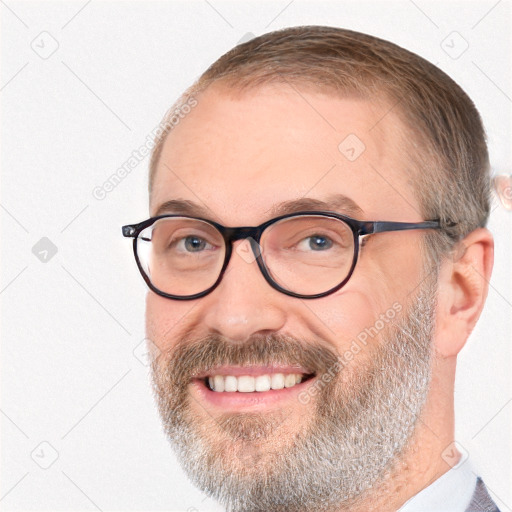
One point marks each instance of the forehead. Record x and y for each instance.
(240, 155)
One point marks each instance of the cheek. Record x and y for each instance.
(164, 319)
(376, 293)
(355, 307)
(391, 265)
(344, 317)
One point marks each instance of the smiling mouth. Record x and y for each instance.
(254, 383)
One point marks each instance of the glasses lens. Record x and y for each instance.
(308, 254)
(181, 256)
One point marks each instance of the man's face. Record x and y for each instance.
(363, 352)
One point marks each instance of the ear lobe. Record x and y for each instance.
(463, 287)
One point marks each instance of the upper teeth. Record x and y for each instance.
(248, 384)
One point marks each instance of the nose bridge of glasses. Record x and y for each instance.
(249, 233)
(234, 234)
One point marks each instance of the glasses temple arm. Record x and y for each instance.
(381, 227)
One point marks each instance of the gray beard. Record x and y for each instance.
(361, 420)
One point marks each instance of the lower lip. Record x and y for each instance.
(254, 401)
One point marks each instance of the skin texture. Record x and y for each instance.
(238, 156)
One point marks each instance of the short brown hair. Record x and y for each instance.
(447, 144)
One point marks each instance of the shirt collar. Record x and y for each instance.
(451, 492)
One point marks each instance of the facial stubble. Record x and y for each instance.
(360, 423)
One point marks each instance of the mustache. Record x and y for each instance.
(191, 357)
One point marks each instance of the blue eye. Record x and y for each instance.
(194, 243)
(320, 242)
(315, 243)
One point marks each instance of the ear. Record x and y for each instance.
(463, 286)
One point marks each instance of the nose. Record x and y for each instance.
(244, 304)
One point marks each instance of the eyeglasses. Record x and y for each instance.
(307, 254)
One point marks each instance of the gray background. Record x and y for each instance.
(82, 85)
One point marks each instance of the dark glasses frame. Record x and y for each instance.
(253, 233)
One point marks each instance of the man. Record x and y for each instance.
(306, 360)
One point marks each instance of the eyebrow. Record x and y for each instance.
(183, 207)
(338, 203)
